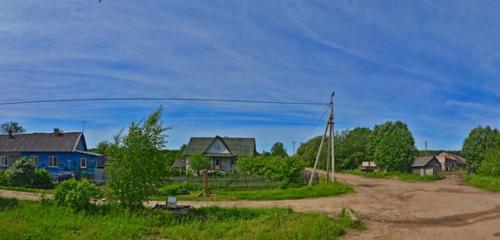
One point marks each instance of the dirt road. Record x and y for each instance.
(394, 209)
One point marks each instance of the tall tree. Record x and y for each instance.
(392, 146)
(14, 127)
(278, 150)
(478, 143)
(352, 149)
(102, 147)
(136, 167)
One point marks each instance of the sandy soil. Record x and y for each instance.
(394, 209)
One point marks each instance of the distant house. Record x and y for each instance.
(222, 151)
(62, 154)
(429, 165)
(449, 161)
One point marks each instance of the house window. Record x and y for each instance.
(217, 147)
(83, 163)
(53, 161)
(34, 159)
(4, 161)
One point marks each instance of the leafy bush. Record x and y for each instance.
(3, 178)
(21, 173)
(42, 179)
(6, 203)
(287, 170)
(78, 195)
(491, 163)
(173, 189)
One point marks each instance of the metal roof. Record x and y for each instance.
(236, 146)
(40, 142)
(422, 161)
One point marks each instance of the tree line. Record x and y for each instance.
(390, 145)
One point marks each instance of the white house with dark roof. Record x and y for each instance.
(222, 151)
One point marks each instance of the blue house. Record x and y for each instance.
(61, 153)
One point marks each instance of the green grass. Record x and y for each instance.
(485, 182)
(45, 220)
(410, 177)
(318, 190)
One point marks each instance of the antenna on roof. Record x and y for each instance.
(84, 124)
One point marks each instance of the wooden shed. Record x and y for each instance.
(426, 166)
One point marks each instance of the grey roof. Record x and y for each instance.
(421, 161)
(40, 142)
(179, 164)
(237, 146)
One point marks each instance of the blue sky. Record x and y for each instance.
(433, 64)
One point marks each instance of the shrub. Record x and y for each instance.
(78, 195)
(6, 203)
(173, 189)
(21, 173)
(287, 170)
(491, 163)
(3, 178)
(42, 179)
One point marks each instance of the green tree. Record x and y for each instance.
(278, 150)
(352, 149)
(136, 164)
(392, 146)
(102, 147)
(478, 143)
(198, 162)
(490, 166)
(21, 173)
(287, 170)
(14, 127)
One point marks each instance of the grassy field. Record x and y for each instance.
(44, 220)
(318, 190)
(484, 182)
(399, 175)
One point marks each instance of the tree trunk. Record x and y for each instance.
(205, 183)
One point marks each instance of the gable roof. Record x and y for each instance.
(422, 161)
(40, 142)
(236, 146)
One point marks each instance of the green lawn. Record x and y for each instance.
(44, 220)
(410, 177)
(484, 182)
(318, 190)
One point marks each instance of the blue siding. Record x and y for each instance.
(67, 162)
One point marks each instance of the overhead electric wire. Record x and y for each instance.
(316, 125)
(159, 99)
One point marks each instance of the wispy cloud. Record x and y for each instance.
(431, 64)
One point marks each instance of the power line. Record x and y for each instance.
(317, 123)
(159, 99)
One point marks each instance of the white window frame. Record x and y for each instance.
(217, 147)
(34, 159)
(83, 160)
(4, 161)
(56, 161)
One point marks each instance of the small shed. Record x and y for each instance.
(429, 165)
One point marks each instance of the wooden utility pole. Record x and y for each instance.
(330, 135)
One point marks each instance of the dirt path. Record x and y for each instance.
(394, 209)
